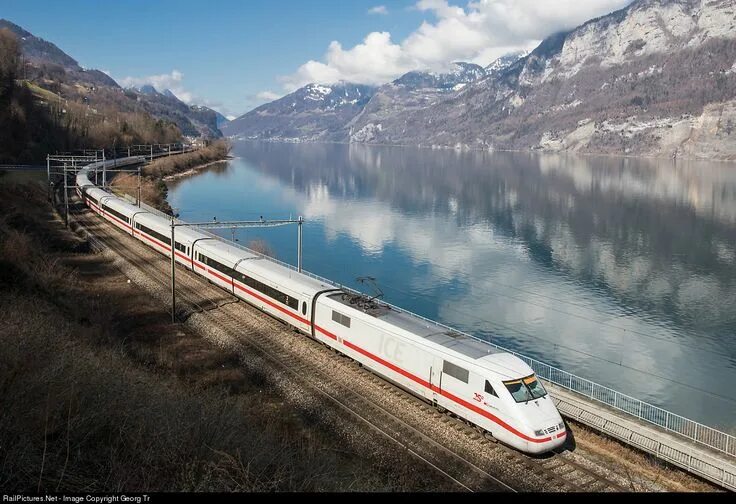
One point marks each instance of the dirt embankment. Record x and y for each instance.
(100, 392)
(153, 183)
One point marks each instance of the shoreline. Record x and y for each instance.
(155, 176)
(486, 150)
(195, 169)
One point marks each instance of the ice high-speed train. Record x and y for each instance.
(490, 388)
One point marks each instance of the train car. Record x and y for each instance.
(119, 212)
(492, 389)
(155, 231)
(489, 388)
(278, 291)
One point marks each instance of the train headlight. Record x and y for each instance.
(561, 426)
(539, 432)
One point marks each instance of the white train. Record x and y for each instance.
(492, 389)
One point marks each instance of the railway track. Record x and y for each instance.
(451, 448)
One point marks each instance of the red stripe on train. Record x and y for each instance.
(360, 350)
(433, 388)
(226, 279)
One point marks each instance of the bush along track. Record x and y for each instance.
(155, 174)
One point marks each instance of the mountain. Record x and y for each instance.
(51, 104)
(333, 112)
(459, 75)
(655, 78)
(147, 89)
(412, 91)
(51, 68)
(220, 119)
(168, 93)
(312, 113)
(45, 57)
(505, 61)
(192, 120)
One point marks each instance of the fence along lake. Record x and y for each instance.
(620, 270)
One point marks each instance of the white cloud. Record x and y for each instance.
(480, 32)
(268, 96)
(374, 61)
(378, 9)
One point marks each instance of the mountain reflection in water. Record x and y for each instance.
(620, 270)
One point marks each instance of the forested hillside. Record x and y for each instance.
(55, 114)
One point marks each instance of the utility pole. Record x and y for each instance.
(128, 150)
(139, 186)
(173, 274)
(104, 172)
(299, 244)
(66, 200)
(151, 153)
(48, 175)
(225, 225)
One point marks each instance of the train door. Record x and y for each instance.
(305, 309)
(435, 381)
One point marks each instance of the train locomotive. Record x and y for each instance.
(492, 389)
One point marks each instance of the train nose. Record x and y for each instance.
(549, 442)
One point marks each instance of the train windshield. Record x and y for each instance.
(525, 389)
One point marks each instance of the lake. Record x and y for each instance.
(620, 270)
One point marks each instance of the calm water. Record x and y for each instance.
(620, 270)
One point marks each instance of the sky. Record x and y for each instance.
(233, 55)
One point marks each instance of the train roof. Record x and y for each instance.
(117, 203)
(265, 267)
(475, 350)
(95, 192)
(249, 262)
(163, 225)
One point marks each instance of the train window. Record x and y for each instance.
(267, 290)
(525, 389)
(455, 371)
(152, 233)
(340, 318)
(116, 214)
(304, 307)
(180, 247)
(518, 390)
(489, 389)
(535, 387)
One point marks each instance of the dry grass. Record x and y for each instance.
(153, 188)
(639, 467)
(80, 417)
(170, 165)
(153, 192)
(98, 393)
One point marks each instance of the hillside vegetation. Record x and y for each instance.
(99, 392)
(153, 187)
(50, 114)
